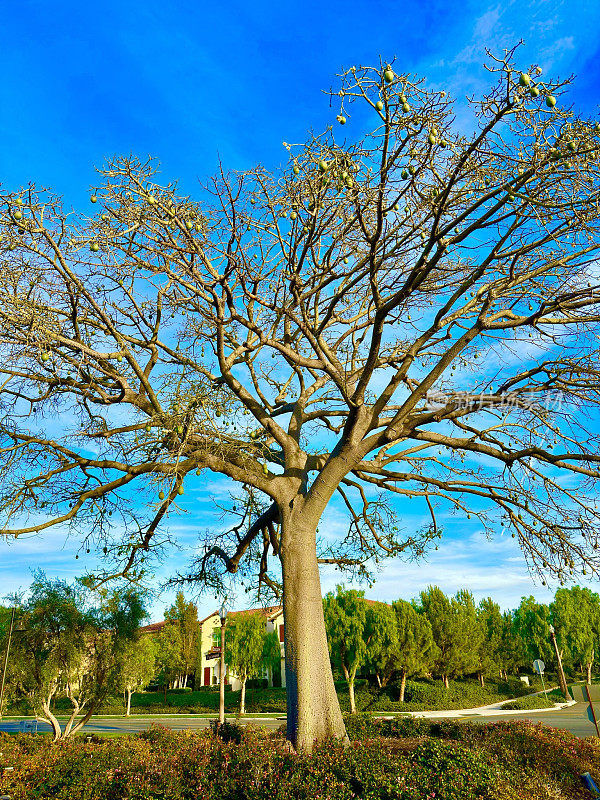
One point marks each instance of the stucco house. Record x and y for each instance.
(210, 643)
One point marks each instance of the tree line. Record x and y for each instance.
(452, 637)
(65, 646)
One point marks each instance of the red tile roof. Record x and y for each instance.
(154, 627)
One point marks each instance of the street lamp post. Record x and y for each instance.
(561, 675)
(10, 630)
(223, 616)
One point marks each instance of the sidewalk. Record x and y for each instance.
(491, 710)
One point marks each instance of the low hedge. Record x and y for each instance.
(432, 695)
(524, 703)
(415, 760)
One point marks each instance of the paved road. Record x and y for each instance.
(573, 719)
(134, 724)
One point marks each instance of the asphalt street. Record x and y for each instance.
(134, 724)
(573, 718)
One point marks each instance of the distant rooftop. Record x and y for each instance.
(267, 611)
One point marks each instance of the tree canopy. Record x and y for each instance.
(575, 614)
(136, 666)
(411, 312)
(65, 645)
(184, 614)
(456, 632)
(531, 621)
(346, 621)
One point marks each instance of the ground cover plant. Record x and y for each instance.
(387, 760)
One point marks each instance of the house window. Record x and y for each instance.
(216, 637)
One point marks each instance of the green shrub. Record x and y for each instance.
(500, 761)
(523, 703)
(227, 731)
(513, 687)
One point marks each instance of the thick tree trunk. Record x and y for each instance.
(402, 685)
(446, 681)
(378, 679)
(243, 696)
(481, 679)
(128, 711)
(313, 709)
(588, 667)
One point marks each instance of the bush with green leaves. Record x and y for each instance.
(532, 701)
(400, 759)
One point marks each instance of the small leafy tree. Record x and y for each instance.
(470, 634)
(169, 648)
(137, 666)
(455, 632)
(245, 641)
(345, 621)
(66, 646)
(531, 621)
(185, 616)
(512, 651)
(490, 650)
(271, 656)
(575, 614)
(415, 650)
(381, 638)
(11, 679)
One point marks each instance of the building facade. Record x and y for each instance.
(209, 644)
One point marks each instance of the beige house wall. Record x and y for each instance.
(209, 660)
(210, 636)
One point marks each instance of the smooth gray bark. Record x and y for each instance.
(313, 709)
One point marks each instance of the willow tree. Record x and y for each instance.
(410, 312)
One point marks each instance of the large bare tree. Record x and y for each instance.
(409, 313)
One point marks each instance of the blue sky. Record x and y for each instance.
(189, 83)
